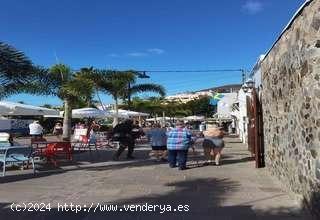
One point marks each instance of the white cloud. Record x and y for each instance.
(142, 53)
(113, 55)
(156, 51)
(137, 54)
(252, 7)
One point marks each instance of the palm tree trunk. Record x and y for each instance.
(67, 120)
(116, 118)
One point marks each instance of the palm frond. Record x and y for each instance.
(15, 70)
(150, 87)
(61, 72)
(13, 63)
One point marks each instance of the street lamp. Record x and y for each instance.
(143, 75)
(248, 85)
(245, 87)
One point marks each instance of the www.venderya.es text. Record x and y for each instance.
(71, 207)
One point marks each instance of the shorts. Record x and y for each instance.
(213, 143)
(159, 147)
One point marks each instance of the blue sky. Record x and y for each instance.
(146, 35)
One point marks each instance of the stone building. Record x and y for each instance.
(291, 105)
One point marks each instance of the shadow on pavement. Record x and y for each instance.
(191, 199)
(101, 160)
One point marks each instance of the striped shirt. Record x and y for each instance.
(178, 139)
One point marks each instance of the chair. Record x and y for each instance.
(4, 144)
(16, 155)
(57, 149)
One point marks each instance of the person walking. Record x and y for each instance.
(92, 132)
(36, 130)
(123, 133)
(158, 140)
(57, 130)
(213, 144)
(178, 143)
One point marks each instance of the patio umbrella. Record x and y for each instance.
(194, 118)
(12, 108)
(127, 113)
(133, 113)
(90, 113)
(158, 119)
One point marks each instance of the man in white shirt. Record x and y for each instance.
(35, 129)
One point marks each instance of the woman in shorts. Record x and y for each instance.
(158, 140)
(213, 144)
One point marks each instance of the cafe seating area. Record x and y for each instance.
(51, 152)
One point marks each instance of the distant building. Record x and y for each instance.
(186, 97)
(224, 89)
(189, 96)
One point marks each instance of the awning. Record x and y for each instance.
(128, 113)
(12, 108)
(89, 113)
(194, 118)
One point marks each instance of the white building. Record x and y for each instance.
(256, 72)
(241, 115)
(186, 97)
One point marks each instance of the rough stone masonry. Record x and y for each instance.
(291, 106)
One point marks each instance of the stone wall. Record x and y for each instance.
(291, 105)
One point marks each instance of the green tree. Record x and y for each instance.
(62, 82)
(133, 88)
(15, 71)
(200, 106)
(120, 85)
(113, 83)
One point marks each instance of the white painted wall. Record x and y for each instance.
(242, 116)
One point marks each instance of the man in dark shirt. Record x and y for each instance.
(123, 133)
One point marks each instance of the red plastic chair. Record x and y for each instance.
(57, 150)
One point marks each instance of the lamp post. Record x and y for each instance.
(250, 83)
(245, 88)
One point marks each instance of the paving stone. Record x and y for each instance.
(234, 190)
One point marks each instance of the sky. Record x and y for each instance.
(146, 35)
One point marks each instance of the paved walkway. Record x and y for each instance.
(234, 190)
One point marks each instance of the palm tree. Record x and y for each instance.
(134, 88)
(121, 85)
(15, 70)
(115, 84)
(94, 76)
(62, 82)
(71, 88)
